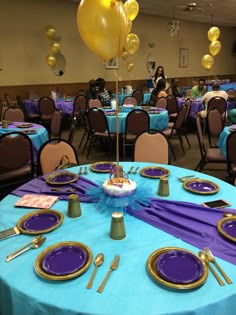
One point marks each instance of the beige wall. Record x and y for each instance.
(24, 45)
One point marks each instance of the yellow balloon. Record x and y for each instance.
(50, 60)
(129, 25)
(124, 55)
(50, 32)
(132, 43)
(103, 26)
(55, 47)
(207, 61)
(214, 47)
(130, 66)
(213, 33)
(132, 9)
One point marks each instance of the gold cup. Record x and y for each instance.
(148, 108)
(4, 124)
(117, 228)
(163, 188)
(74, 210)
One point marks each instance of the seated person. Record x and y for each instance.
(160, 88)
(198, 90)
(175, 88)
(91, 93)
(209, 95)
(103, 93)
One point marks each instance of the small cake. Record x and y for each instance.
(119, 187)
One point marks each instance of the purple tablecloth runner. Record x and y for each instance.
(190, 222)
(39, 186)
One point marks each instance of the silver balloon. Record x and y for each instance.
(59, 68)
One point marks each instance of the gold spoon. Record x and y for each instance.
(34, 241)
(98, 260)
(204, 257)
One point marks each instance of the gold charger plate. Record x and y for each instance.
(26, 125)
(151, 267)
(231, 220)
(102, 167)
(29, 131)
(154, 172)
(201, 186)
(27, 216)
(38, 262)
(57, 178)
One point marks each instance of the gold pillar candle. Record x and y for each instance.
(163, 188)
(74, 210)
(4, 124)
(117, 228)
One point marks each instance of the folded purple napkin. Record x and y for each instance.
(39, 186)
(192, 223)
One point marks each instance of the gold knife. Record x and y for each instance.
(113, 266)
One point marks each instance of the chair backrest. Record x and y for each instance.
(172, 106)
(46, 107)
(138, 94)
(97, 120)
(55, 127)
(188, 104)
(180, 118)
(218, 102)
(14, 114)
(129, 100)
(72, 130)
(151, 146)
(94, 103)
(214, 122)
(51, 153)
(80, 103)
(16, 159)
(161, 102)
(80, 92)
(153, 97)
(137, 121)
(200, 136)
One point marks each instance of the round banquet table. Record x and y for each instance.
(157, 121)
(129, 290)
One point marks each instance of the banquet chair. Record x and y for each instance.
(152, 146)
(94, 103)
(172, 107)
(153, 98)
(209, 155)
(16, 160)
(72, 130)
(137, 121)
(231, 154)
(28, 117)
(52, 152)
(85, 126)
(55, 125)
(129, 100)
(214, 125)
(46, 108)
(161, 102)
(14, 114)
(138, 94)
(220, 103)
(80, 103)
(98, 128)
(80, 92)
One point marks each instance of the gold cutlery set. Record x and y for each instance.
(98, 261)
(131, 171)
(83, 172)
(207, 257)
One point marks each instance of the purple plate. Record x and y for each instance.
(154, 172)
(201, 186)
(179, 266)
(29, 131)
(61, 178)
(229, 228)
(40, 222)
(64, 260)
(102, 167)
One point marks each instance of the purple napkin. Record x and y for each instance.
(39, 186)
(192, 223)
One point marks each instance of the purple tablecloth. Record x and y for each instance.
(31, 106)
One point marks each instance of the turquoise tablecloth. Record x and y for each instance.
(222, 140)
(130, 290)
(146, 97)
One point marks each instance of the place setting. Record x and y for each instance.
(154, 172)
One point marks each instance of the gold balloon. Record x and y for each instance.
(50, 32)
(55, 47)
(207, 61)
(124, 55)
(130, 66)
(132, 8)
(132, 43)
(50, 60)
(213, 33)
(103, 26)
(214, 47)
(129, 25)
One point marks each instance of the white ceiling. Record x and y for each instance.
(220, 13)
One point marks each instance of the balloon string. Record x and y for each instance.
(117, 124)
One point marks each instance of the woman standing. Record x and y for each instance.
(159, 74)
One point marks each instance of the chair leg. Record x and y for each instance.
(181, 143)
(189, 145)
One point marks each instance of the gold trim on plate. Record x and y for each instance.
(74, 178)
(30, 214)
(220, 229)
(43, 274)
(93, 167)
(151, 267)
(199, 180)
(142, 171)
(26, 125)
